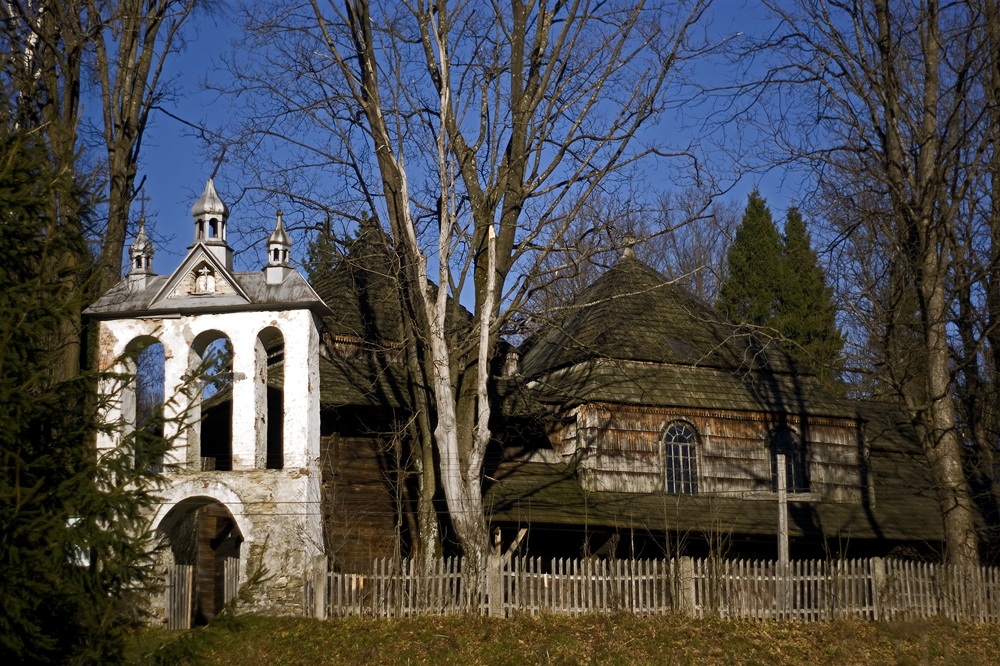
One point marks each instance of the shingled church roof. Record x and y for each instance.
(633, 312)
(361, 290)
(634, 337)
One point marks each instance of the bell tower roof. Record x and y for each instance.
(142, 245)
(141, 254)
(279, 247)
(210, 203)
(210, 214)
(278, 236)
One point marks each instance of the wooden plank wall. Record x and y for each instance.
(178, 592)
(733, 454)
(359, 514)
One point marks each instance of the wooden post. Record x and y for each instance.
(782, 476)
(687, 583)
(494, 577)
(878, 589)
(782, 511)
(321, 583)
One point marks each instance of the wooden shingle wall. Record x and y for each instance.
(359, 515)
(623, 451)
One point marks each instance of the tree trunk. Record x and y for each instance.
(938, 417)
(924, 219)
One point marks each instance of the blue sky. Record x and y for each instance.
(172, 160)
(175, 167)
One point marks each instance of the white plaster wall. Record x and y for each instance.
(278, 507)
(276, 519)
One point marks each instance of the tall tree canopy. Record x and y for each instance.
(807, 317)
(123, 45)
(775, 282)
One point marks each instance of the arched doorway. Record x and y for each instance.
(205, 541)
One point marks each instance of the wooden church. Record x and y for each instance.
(639, 424)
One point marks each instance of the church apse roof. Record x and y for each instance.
(634, 313)
(634, 337)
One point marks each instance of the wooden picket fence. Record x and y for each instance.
(568, 586)
(808, 590)
(396, 588)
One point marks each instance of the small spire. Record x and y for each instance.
(279, 247)
(210, 214)
(141, 254)
(278, 236)
(210, 203)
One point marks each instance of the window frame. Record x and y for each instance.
(680, 458)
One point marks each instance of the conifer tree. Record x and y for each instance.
(776, 283)
(806, 315)
(73, 527)
(323, 255)
(750, 292)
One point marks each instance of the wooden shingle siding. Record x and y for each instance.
(358, 512)
(624, 451)
(562, 435)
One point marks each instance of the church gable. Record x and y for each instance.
(201, 282)
(201, 276)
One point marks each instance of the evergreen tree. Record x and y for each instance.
(322, 255)
(806, 315)
(73, 532)
(750, 292)
(777, 283)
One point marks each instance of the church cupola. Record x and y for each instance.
(141, 256)
(210, 216)
(279, 246)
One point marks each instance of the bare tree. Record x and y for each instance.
(41, 75)
(693, 251)
(131, 45)
(474, 134)
(888, 110)
(124, 44)
(682, 234)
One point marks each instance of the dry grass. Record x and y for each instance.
(469, 640)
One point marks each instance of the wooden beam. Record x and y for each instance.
(521, 533)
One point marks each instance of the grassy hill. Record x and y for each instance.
(472, 640)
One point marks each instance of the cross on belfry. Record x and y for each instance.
(142, 199)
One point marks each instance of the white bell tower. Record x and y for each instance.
(241, 402)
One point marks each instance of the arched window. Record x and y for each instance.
(211, 431)
(143, 402)
(783, 441)
(270, 397)
(680, 459)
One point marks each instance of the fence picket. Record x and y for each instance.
(806, 591)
